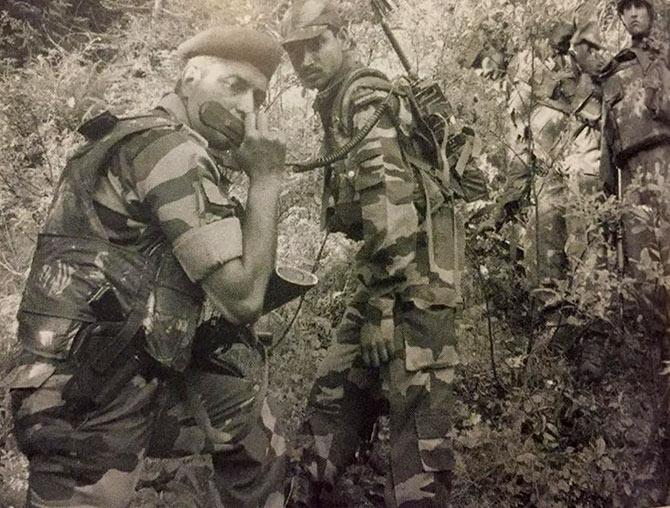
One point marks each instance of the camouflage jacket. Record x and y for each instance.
(564, 104)
(411, 251)
(636, 105)
(154, 184)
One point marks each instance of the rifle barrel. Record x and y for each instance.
(394, 41)
(399, 51)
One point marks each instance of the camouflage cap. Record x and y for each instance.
(561, 33)
(586, 26)
(307, 19)
(235, 43)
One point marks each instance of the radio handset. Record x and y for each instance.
(215, 116)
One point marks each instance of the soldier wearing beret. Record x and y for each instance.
(395, 346)
(635, 164)
(140, 231)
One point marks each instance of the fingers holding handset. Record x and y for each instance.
(250, 129)
(262, 152)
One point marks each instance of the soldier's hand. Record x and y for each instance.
(261, 153)
(377, 345)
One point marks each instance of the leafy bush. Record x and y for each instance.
(530, 429)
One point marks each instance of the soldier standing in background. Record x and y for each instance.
(563, 117)
(636, 165)
(555, 149)
(140, 230)
(396, 345)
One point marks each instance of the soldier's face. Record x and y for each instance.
(637, 18)
(318, 60)
(237, 86)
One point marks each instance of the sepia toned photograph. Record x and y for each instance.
(321, 253)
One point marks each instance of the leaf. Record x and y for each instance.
(473, 420)
(526, 458)
(606, 464)
(563, 486)
(516, 362)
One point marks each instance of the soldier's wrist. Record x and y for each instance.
(379, 309)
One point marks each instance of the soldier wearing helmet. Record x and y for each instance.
(140, 230)
(637, 16)
(635, 165)
(396, 343)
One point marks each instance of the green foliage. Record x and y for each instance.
(27, 29)
(529, 431)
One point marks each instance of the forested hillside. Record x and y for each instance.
(531, 427)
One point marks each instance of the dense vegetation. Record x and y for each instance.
(530, 430)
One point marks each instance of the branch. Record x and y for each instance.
(157, 8)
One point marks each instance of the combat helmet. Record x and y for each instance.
(620, 4)
(307, 19)
(560, 35)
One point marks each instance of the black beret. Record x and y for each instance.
(235, 43)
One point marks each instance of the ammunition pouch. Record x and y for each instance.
(216, 337)
(106, 355)
(657, 91)
(97, 382)
(444, 144)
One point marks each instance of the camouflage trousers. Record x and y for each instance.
(347, 398)
(646, 245)
(647, 233)
(94, 459)
(557, 236)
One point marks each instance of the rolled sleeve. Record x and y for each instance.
(201, 250)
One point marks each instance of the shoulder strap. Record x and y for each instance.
(87, 161)
(359, 88)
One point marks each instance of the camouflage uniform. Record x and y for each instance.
(157, 191)
(408, 268)
(636, 165)
(636, 139)
(565, 144)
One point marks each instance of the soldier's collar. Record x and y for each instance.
(173, 107)
(650, 45)
(172, 104)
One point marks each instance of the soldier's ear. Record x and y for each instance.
(344, 38)
(190, 77)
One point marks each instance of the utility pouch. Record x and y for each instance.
(657, 88)
(107, 355)
(215, 338)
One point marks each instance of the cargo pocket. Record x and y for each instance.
(429, 337)
(435, 447)
(29, 376)
(173, 324)
(173, 310)
(29, 398)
